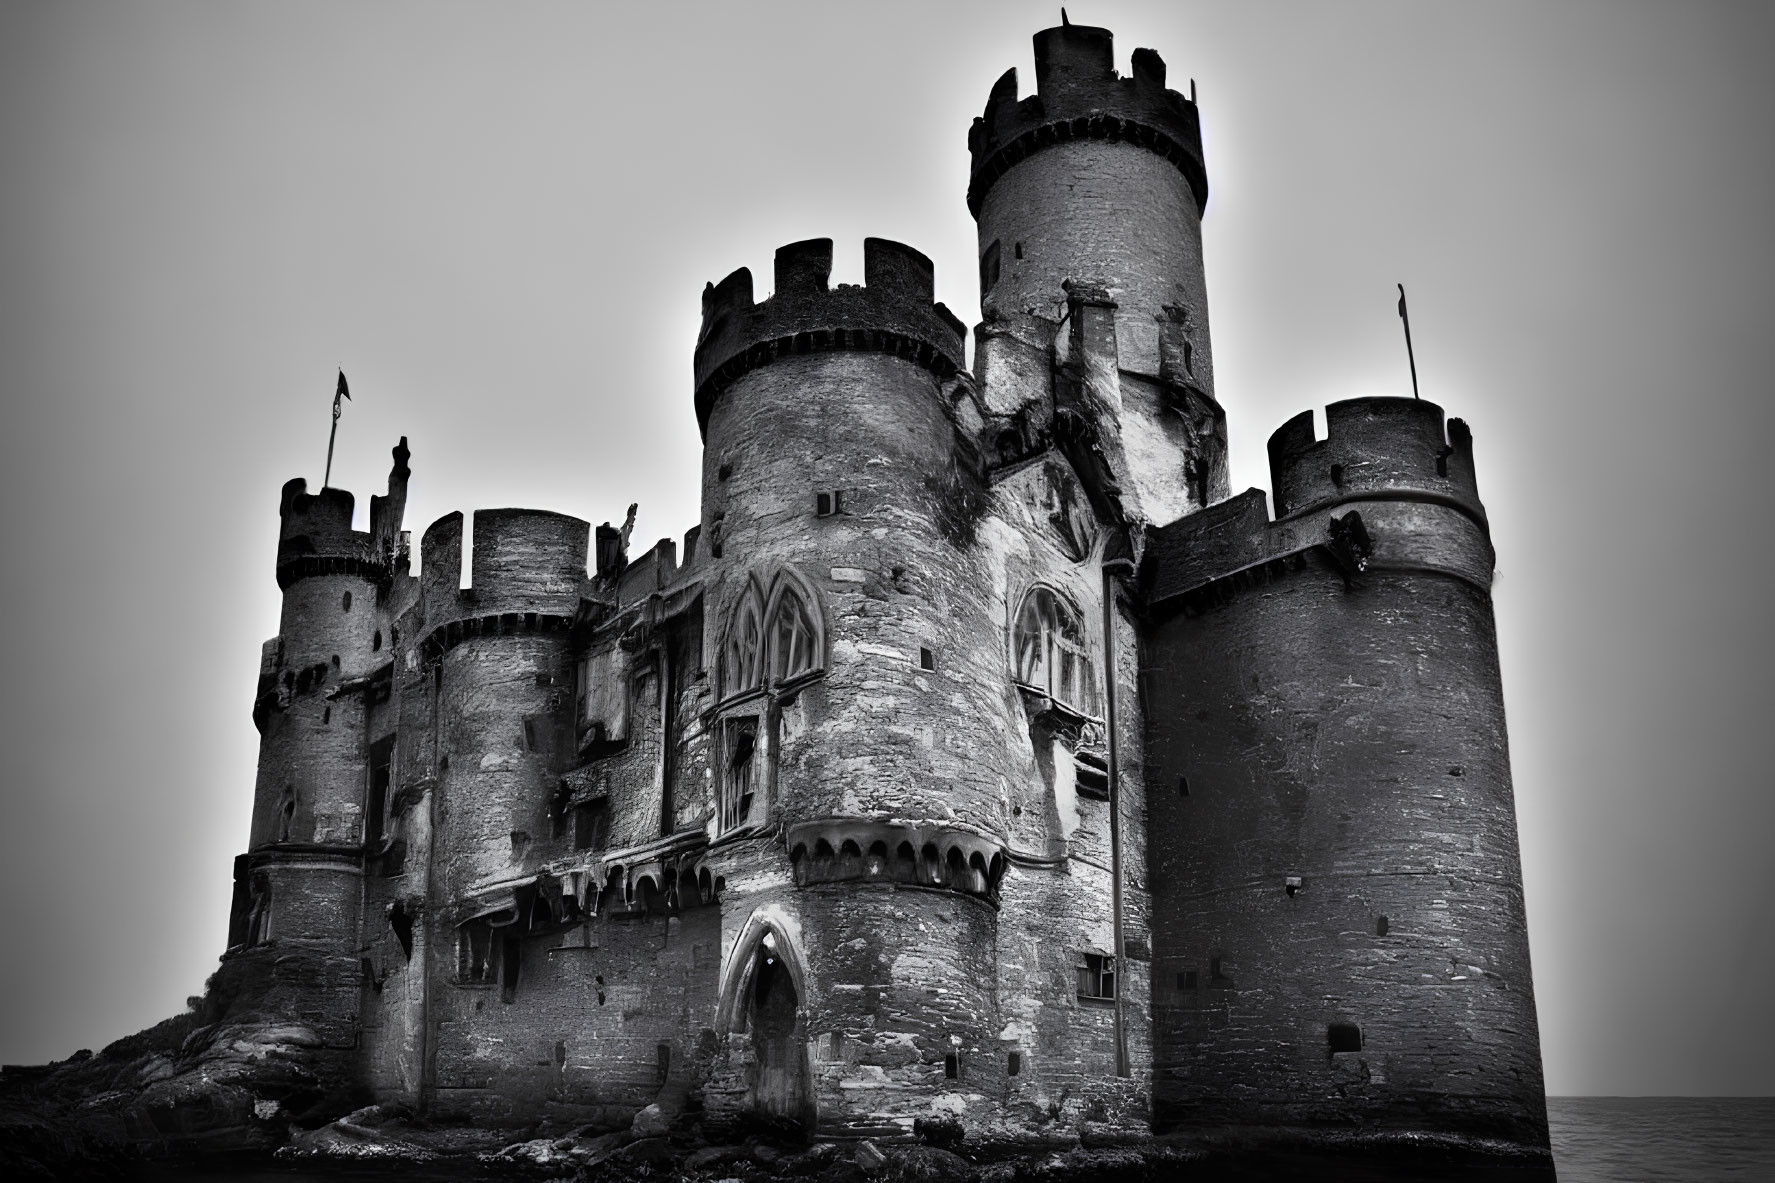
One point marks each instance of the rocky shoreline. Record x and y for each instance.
(188, 1099)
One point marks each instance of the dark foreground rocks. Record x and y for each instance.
(189, 1100)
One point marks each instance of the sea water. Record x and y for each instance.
(1654, 1139)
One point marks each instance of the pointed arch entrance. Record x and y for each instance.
(764, 1003)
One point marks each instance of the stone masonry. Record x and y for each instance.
(977, 756)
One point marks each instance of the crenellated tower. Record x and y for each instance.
(857, 675)
(1088, 196)
(1339, 926)
(298, 889)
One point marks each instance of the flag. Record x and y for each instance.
(1402, 316)
(343, 391)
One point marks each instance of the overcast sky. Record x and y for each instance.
(499, 220)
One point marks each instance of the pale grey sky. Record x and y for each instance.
(499, 219)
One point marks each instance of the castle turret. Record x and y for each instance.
(1098, 180)
(300, 885)
(859, 685)
(1339, 932)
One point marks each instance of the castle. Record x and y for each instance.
(978, 755)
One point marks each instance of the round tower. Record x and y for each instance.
(501, 651)
(500, 661)
(1098, 180)
(1339, 930)
(302, 888)
(857, 666)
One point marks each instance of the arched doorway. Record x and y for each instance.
(779, 1084)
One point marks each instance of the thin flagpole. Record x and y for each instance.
(342, 391)
(1409, 356)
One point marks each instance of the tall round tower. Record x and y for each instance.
(857, 670)
(300, 889)
(1098, 180)
(1339, 932)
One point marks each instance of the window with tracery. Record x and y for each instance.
(740, 667)
(794, 638)
(776, 638)
(1050, 652)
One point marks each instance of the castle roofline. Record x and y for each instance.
(1079, 97)
(893, 312)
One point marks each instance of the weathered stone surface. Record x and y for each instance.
(978, 772)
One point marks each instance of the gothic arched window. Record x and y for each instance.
(794, 634)
(740, 665)
(1048, 646)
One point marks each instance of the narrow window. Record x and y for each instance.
(472, 941)
(326, 716)
(1214, 974)
(952, 1066)
(1189, 358)
(822, 505)
(1183, 786)
(1019, 250)
(1344, 1037)
(792, 636)
(335, 663)
(926, 659)
(1097, 975)
(1016, 1062)
(376, 641)
(663, 1066)
(1381, 926)
(376, 802)
(745, 635)
(1050, 651)
(345, 602)
(742, 746)
(989, 268)
(401, 921)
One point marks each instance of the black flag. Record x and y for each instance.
(344, 391)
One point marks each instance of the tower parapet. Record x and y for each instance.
(1379, 448)
(1079, 97)
(894, 312)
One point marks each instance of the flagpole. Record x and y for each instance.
(342, 391)
(1409, 355)
(331, 436)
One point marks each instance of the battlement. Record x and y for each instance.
(315, 535)
(1374, 449)
(1079, 96)
(893, 312)
(526, 561)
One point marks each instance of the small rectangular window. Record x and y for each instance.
(1016, 1064)
(1097, 975)
(1187, 980)
(828, 503)
(472, 942)
(1344, 1037)
(952, 1066)
(926, 659)
(1019, 250)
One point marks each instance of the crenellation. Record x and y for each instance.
(978, 759)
